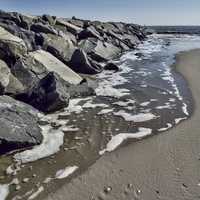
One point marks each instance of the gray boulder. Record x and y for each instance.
(70, 27)
(29, 37)
(98, 50)
(53, 93)
(8, 83)
(61, 47)
(89, 32)
(81, 64)
(33, 67)
(49, 95)
(11, 46)
(4, 76)
(111, 66)
(18, 125)
(43, 28)
(51, 20)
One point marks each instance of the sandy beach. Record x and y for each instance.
(164, 166)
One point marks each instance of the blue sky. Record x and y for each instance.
(148, 12)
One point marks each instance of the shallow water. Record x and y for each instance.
(145, 97)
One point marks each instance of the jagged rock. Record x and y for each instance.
(61, 47)
(18, 125)
(99, 51)
(70, 27)
(10, 16)
(80, 63)
(89, 32)
(36, 65)
(29, 37)
(77, 22)
(8, 83)
(11, 47)
(86, 88)
(111, 66)
(49, 19)
(43, 28)
(50, 94)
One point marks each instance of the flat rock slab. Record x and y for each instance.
(52, 64)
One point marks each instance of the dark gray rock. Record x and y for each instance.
(111, 66)
(11, 47)
(4, 76)
(61, 47)
(33, 67)
(8, 83)
(98, 50)
(49, 95)
(51, 20)
(29, 37)
(18, 125)
(10, 16)
(43, 28)
(89, 32)
(80, 63)
(70, 27)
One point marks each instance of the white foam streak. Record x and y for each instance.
(64, 173)
(4, 191)
(141, 117)
(35, 194)
(52, 140)
(120, 138)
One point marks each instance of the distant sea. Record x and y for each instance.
(176, 29)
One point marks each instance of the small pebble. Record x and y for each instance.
(107, 189)
(25, 180)
(18, 187)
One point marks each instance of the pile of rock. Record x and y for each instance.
(41, 59)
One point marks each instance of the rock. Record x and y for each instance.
(10, 16)
(62, 48)
(77, 22)
(70, 27)
(50, 94)
(86, 88)
(11, 47)
(14, 87)
(18, 125)
(43, 28)
(49, 19)
(4, 76)
(111, 66)
(8, 83)
(27, 36)
(36, 65)
(89, 32)
(54, 65)
(80, 63)
(104, 51)
(98, 50)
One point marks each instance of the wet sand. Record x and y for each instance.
(164, 166)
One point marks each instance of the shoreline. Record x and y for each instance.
(164, 166)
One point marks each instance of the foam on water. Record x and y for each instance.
(120, 138)
(140, 117)
(35, 194)
(4, 191)
(64, 173)
(105, 111)
(52, 141)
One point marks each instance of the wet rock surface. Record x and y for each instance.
(18, 125)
